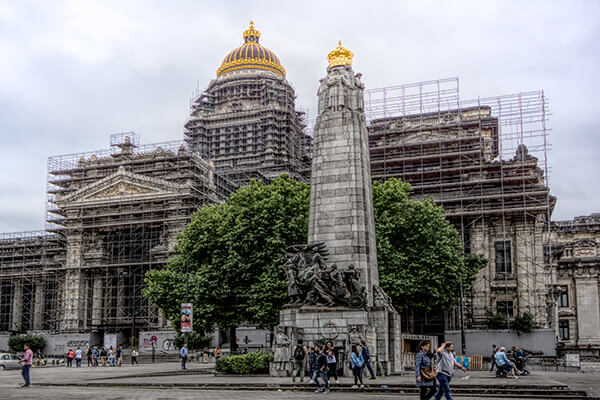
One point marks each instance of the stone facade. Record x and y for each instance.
(575, 249)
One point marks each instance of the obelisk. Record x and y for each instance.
(341, 201)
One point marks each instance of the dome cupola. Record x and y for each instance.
(251, 55)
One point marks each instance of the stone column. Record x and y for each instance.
(71, 304)
(588, 306)
(38, 306)
(97, 296)
(17, 308)
(341, 201)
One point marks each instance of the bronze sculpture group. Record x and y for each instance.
(311, 282)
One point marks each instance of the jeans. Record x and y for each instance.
(357, 372)
(322, 374)
(183, 361)
(493, 364)
(298, 369)
(111, 361)
(69, 362)
(78, 362)
(90, 361)
(370, 368)
(444, 389)
(25, 373)
(426, 392)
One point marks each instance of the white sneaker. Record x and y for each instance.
(327, 391)
(337, 382)
(354, 387)
(362, 386)
(311, 382)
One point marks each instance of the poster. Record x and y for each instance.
(186, 317)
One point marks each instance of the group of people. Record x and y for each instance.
(322, 364)
(433, 368)
(100, 356)
(504, 366)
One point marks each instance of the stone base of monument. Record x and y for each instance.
(379, 326)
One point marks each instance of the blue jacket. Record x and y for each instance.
(422, 361)
(183, 352)
(357, 360)
(365, 353)
(501, 358)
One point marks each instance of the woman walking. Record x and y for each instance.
(331, 361)
(134, 356)
(424, 371)
(357, 362)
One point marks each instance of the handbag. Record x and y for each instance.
(430, 373)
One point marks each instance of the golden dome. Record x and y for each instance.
(340, 56)
(251, 55)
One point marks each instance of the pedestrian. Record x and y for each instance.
(26, 362)
(312, 364)
(95, 356)
(425, 371)
(494, 350)
(205, 355)
(357, 363)
(111, 357)
(321, 371)
(134, 356)
(331, 361)
(520, 360)
(70, 356)
(504, 364)
(299, 359)
(183, 353)
(78, 356)
(218, 353)
(90, 357)
(120, 355)
(367, 357)
(445, 369)
(103, 356)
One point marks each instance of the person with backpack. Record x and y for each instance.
(357, 363)
(299, 361)
(425, 371)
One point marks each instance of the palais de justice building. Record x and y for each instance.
(113, 215)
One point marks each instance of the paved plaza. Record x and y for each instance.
(166, 381)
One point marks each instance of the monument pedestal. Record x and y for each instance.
(379, 326)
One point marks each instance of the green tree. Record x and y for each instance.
(35, 342)
(234, 255)
(420, 255)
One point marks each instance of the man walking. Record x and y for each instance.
(367, 357)
(321, 371)
(26, 361)
(445, 369)
(494, 350)
(183, 353)
(299, 360)
(78, 355)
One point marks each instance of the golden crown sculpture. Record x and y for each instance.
(340, 56)
(251, 31)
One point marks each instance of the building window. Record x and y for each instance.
(563, 330)
(568, 252)
(563, 298)
(505, 307)
(503, 259)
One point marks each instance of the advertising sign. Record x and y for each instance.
(186, 317)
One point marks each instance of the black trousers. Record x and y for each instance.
(357, 372)
(427, 392)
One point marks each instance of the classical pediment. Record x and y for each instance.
(121, 184)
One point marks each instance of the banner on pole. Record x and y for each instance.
(186, 317)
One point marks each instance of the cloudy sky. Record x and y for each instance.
(73, 72)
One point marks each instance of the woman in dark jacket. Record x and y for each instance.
(424, 360)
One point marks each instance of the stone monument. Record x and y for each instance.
(333, 280)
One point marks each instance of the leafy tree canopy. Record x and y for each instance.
(234, 254)
(35, 342)
(419, 253)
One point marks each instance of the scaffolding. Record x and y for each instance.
(486, 162)
(111, 215)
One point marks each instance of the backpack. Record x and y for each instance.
(299, 353)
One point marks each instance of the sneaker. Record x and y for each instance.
(327, 391)
(311, 382)
(354, 387)
(337, 382)
(362, 386)
(372, 378)
(319, 390)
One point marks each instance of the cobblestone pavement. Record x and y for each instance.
(168, 373)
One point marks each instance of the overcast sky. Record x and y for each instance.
(73, 72)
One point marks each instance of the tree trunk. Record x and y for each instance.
(232, 339)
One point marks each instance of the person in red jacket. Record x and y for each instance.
(70, 356)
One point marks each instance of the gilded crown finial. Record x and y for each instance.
(340, 56)
(251, 34)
